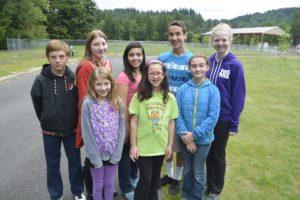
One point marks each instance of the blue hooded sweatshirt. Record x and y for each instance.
(198, 107)
(228, 76)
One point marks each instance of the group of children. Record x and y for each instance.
(179, 102)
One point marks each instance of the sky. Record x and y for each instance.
(209, 9)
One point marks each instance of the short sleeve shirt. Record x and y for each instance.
(154, 116)
(132, 86)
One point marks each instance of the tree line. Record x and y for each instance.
(74, 19)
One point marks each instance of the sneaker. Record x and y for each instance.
(212, 196)
(129, 195)
(166, 180)
(80, 197)
(61, 198)
(134, 182)
(174, 187)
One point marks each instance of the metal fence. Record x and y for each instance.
(21, 44)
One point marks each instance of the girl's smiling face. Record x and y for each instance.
(155, 75)
(221, 42)
(135, 57)
(99, 47)
(102, 87)
(198, 67)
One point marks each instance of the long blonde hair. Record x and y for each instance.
(104, 73)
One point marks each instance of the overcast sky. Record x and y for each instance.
(209, 9)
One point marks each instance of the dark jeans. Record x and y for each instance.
(126, 170)
(150, 168)
(52, 146)
(216, 159)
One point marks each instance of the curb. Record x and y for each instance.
(18, 74)
(9, 77)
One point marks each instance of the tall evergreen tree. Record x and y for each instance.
(70, 19)
(23, 19)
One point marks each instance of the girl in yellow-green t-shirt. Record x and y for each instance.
(152, 126)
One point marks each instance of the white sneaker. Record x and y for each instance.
(80, 197)
(61, 198)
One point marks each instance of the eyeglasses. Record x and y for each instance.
(152, 74)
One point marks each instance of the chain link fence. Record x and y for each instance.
(21, 44)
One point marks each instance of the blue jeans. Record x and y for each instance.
(126, 170)
(52, 146)
(194, 176)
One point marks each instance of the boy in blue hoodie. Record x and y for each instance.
(227, 73)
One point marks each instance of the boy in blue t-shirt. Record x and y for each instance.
(176, 61)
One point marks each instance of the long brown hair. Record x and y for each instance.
(104, 73)
(145, 90)
(88, 52)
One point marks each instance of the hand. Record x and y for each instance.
(187, 138)
(232, 133)
(191, 147)
(134, 153)
(169, 152)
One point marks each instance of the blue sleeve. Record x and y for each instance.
(180, 124)
(238, 95)
(116, 157)
(208, 124)
(87, 135)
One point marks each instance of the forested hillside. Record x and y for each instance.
(280, 17)
(35, 19)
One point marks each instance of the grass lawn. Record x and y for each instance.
(22, 60)
(264, 159)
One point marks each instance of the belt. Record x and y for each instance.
(60, 134)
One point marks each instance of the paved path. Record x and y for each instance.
(22, 159)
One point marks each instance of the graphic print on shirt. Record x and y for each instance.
(155, 113)
(177, 75)
(105, 126)
(224, 73)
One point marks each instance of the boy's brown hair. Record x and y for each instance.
(57, 45)
(180, 24)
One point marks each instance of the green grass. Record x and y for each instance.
(264, 159)
(12, 62)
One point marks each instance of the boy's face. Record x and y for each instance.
(176, 36)
(221, 42)
(58, 61)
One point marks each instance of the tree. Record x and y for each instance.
(70, 20)
(295, 29)
(24, 19)
(284, 43)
